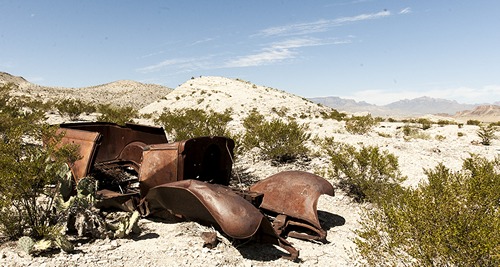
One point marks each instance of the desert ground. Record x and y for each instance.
(168, 242)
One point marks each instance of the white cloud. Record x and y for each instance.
(202, 41)
(265, 57)
(185, 64)
(319, 26)
(466, 95)
(405, 11)
(280, 51)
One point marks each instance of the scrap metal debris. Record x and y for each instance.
(138, 170)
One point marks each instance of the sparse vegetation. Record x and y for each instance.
(360, 124)
(118, 115)
(276, 139)
(473, 122)
(487, 134)
(189, 123)
(445, 122)
(440, 137)
(26, 169)
(334, 115)
(280, 112)
(73, 108)
(447, 221)
(411, 132)
(426, 123)
(366, 174)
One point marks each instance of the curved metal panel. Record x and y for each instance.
(210, 203)
(294, 193)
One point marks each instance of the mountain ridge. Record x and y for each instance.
(141, 95)
(406, 107)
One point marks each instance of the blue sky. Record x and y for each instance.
(367, 50)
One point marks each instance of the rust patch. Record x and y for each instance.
(294, 194)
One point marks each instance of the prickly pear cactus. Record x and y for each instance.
(26, 244)
(66, 181)
(86, 187)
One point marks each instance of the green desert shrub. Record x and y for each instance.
(73, 108)
(451, 220)
(487, 134)
(277, 140)
(411, 132)
(473, 122)
(334, 115)
(189, 123)
(360, 124)
(426, 123)
(364, 174)
(27, 168)
(445, 122)
(116, 114)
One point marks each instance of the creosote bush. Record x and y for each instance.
(334, 114)
(426, 123)
(487, 134)
(26, 168)
(360, 124)
(277, 140)
(452, 220)
(364, 174)
(189, 123)
(473, 122)
(118, 115)
(73, 108)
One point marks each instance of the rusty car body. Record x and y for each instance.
(138, 169)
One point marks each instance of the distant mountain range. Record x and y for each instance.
(407, 107)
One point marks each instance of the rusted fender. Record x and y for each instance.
(294, 193)
(217, 205)
(210, 203)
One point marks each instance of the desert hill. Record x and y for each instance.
(487, 113)
(120, 93)
(7, 78)
(219, 93)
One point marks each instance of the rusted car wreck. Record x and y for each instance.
(138, 169)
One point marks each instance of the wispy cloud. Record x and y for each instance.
(467, 95)
(405, 11)
(279, 51)
(186, 64)
(319, 26)
(202, 41)
(265, 57)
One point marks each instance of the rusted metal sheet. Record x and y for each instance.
(203, 158)
(295, 194)
(121, 143)
(87, 145)
(218, 206)
(108, 199)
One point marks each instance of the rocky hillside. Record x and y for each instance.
(219, 94)
(120, 93)
(487, 113)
